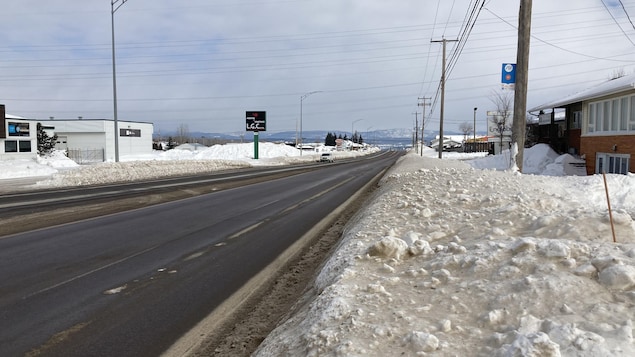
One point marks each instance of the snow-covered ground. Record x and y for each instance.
(61, 171)
(449, 260)
(452, 257)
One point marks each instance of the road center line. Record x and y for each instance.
(90, 272)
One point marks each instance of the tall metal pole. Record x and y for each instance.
(444, 41)
(299, 139)
(114, 8)
(302, 97)
(474, 128)
(522, 69)
(353, 126)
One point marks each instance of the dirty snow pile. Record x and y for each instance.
(448, 260)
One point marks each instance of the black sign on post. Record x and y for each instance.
(256, 121)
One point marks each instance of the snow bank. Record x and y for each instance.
(41, 166)
(160, 164)
(452, 261)
(538, 160)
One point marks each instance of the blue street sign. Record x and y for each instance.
(508, 73)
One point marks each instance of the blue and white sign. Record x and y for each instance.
(508, 75)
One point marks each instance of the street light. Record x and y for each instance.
(114, 6)
(474, 130)
(352, 126)
(302, 97)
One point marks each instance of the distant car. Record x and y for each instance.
(326, 157)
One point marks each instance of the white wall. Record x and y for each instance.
(132, 145)
(32, 138)
(91, 134)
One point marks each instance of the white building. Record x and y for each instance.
(92, 140)
(18, 137)
(85, 140)
(450, 142)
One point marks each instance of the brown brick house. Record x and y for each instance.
(598, 124)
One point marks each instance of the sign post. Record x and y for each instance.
(256, 122)
(256, 145)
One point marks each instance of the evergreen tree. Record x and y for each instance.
(360, 140)
(45, 143)
(330, 139)
(171, 144)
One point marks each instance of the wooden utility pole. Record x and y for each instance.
(522, 67)
(423, 117)
(415, 136)
(444, 41)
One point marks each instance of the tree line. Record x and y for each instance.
(331, 138)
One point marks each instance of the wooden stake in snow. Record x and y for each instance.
(608, 201)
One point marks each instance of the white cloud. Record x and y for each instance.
(204, 64)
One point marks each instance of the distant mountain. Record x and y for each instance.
(399, 134)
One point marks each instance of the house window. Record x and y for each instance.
(577, 119)
(612, 163)
(615, 115)
(624, 114)
(10, 146)
(24, 146)
(606, 116)
(592, 115)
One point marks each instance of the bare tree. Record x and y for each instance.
(504, 102)
(466, 128)
(182, 134)
(617, 73)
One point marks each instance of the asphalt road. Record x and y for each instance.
(131, 283)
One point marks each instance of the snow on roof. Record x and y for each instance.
(612, 86)
(9, 116)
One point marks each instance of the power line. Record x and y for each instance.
(476, 10)
(545, 42)
(626, 12)
(617, 23)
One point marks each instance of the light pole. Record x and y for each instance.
(114, 6)
(302, 97)
(474, 128)
(352, 126)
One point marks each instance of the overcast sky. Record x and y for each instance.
(204, 63)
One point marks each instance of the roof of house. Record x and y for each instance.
(612, 86)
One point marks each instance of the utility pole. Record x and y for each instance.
(522, 66)
(474, 129)
(415, 136)
(423, 117)
(444, 41)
